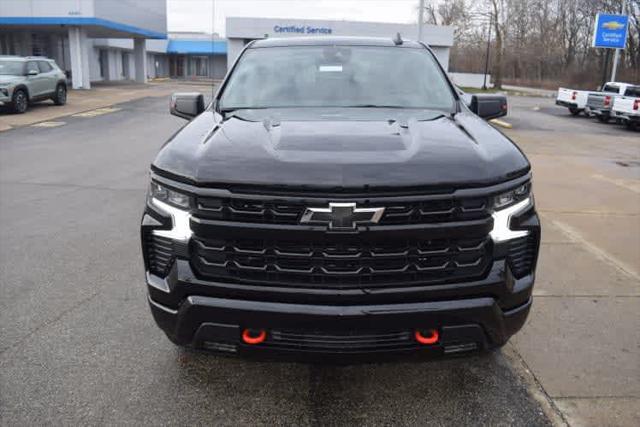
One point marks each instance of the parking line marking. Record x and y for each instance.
(627, 184)
(501, 123)
(576, 237)
(48, 124)
(97, 112)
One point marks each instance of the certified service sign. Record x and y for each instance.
(610, 31)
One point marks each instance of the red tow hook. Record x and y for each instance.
(254, 336)
(428, 337)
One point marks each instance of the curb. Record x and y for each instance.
(548, 406)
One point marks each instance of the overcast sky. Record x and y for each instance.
(210, 15)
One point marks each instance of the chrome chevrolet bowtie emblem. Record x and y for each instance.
(342, 216)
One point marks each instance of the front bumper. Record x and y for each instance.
(216, 324)
(466, 322)
(5, 95)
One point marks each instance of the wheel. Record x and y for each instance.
(574, 111)
(602, 118)
(60, 97)
(20, 101)
(631, 125)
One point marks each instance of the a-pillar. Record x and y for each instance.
(79, 53)
(140, 59)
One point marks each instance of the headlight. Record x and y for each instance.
(171, 197)
(514, 196)
(507, 205)
(175, 204)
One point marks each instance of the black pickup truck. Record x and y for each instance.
(339, 198)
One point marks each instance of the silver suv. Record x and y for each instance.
(29, 79)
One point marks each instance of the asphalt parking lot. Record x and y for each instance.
(78, 344)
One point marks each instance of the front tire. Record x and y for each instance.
(574, 111)
(60, 97)
(20, 101)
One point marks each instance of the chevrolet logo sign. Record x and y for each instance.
(342, 216)
(613, 25)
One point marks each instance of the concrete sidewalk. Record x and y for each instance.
(582, 339)
(101, 95)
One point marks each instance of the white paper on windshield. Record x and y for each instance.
(330, 68)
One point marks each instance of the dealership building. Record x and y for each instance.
(241, 31)
(84, 36)
(97, 40)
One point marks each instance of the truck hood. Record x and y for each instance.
(10, 79)
(337, 151)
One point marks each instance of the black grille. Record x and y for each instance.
(277, 212)
(522, 253)
(159, 254)
(343, 342)
(340, 264)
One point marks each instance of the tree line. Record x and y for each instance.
(545, 43)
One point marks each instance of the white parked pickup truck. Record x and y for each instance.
(627, 110)
(599, 103)
(574, 100)
(577, 101)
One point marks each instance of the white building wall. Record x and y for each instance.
(255, 28)
(57, 8)
(442, 53)
(234, 47)
(114, 65)
(240, 30)
(470, 79)
(94, 64)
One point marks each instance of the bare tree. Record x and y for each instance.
(538, 42)
(499, 12)
(454, 13)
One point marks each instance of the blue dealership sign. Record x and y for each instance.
(610, 31)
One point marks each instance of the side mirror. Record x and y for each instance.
(489, 106)
(32, 73)
(186, 105)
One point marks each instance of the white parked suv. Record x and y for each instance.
(24, 80)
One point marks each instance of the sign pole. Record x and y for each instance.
(614, 69)
(420, 19)
(616, 55)
(486, 60)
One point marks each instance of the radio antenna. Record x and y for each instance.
(213, 49)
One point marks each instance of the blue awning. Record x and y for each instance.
(127, 30)
(197, 47)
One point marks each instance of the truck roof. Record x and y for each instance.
(333, 41)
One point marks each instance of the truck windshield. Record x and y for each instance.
(11, 68)
(337, 76)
